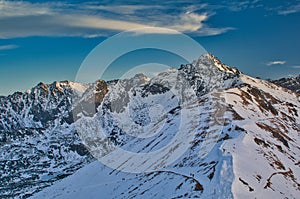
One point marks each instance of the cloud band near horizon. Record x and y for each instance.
(24, 19)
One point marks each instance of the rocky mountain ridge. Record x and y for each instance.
(292, 83)
(238, 120)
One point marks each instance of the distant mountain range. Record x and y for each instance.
(292, 83)
(244, 136)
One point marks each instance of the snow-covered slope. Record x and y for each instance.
(38, 143)
(242, 138)
(245, 144)
(266, 156)
(292, 83)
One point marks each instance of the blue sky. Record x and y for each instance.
(47, 40)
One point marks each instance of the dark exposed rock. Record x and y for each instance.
(292, 83)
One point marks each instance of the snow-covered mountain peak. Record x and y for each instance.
(207, 73)
(210, 60)
(139, 78)
(254, 153)
(245, 135)
(58, 87)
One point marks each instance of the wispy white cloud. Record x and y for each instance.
(152, 30)
(8, 47)
(121, 9)
(189, 21)
(94, 22)
(238, 6)
(207, 31)
(275, 63)
(23, 8)
(289, 10)
(285, 8)
(22, 19)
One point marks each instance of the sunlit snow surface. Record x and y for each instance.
(245, 138)
(256, 155)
